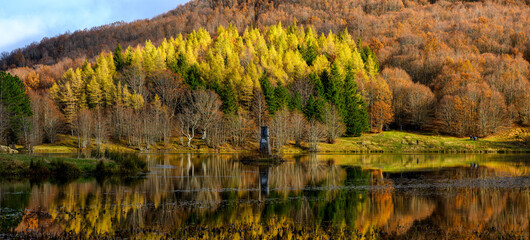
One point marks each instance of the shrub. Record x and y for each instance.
(61, 169)
(38, 168)
(10, 167)
(129, 163)
(101, 170)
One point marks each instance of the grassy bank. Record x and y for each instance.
(406, 142)
(511, 140)
(19, 164)
(100, 164)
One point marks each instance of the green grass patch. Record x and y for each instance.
(407, 142)
(23, 165)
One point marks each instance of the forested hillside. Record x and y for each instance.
(312, 70)
(497, 26)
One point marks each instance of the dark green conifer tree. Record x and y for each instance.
(309, 53)
(282, 96)
(317, 83)
(314, 108)
(194, 78)
(334, 87)
(228, 96)
(268, 92)
(354, 112)
(296, 102)
(16, 105)
(180, 65)
(119, 60)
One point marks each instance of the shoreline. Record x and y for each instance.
(66, 168)
(516, 140)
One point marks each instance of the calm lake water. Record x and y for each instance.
(331, 196)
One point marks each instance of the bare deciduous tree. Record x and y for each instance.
(83, 127)
(118, 122)
(188, 122)
(334, 126)
(298, 126)
(304, 87)
(258, 112)
(240, 128)
(218, 132)
(45, 122)
(51, 119)
(189, 119)
(169, 88)
(36, 128)
(134, 77)
(200, 111)
(419, 104)
(101, 126)
(207, 105)
(315, 132)
(279, 130)
(166, 126)
(259, 108)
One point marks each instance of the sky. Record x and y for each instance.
(25, 21)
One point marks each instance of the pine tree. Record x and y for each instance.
(136, 101)
(296, 102)
(69, 102)
(94, 95)
(354, 112)
(126, 96)
(268, 92)
(309, 53)
(370, 61)
(83, 102)
(75, 82)
(317, 82)
(16, 103)
(228, 97)
(103, 76)
(282, 98)
(119, 60)
(246, 88)
(148, 57)
(326, 82)
(119, 94)
(361, 119)
(179, 65)
(194, 78)
(334, 87)
(314, 109)
(87, 73)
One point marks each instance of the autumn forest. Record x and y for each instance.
(313, 71)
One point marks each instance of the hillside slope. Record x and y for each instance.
(496, 26)
(451, 67)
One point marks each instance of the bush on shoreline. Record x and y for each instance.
(98, 164)
(128, 163)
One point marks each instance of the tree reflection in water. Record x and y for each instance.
(186, 195)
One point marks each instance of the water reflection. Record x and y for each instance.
(264, 180)
(186, 195)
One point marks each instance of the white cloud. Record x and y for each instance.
(16, 30)
(26, 21)
(37, 19)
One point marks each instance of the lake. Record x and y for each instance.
(188, 196)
